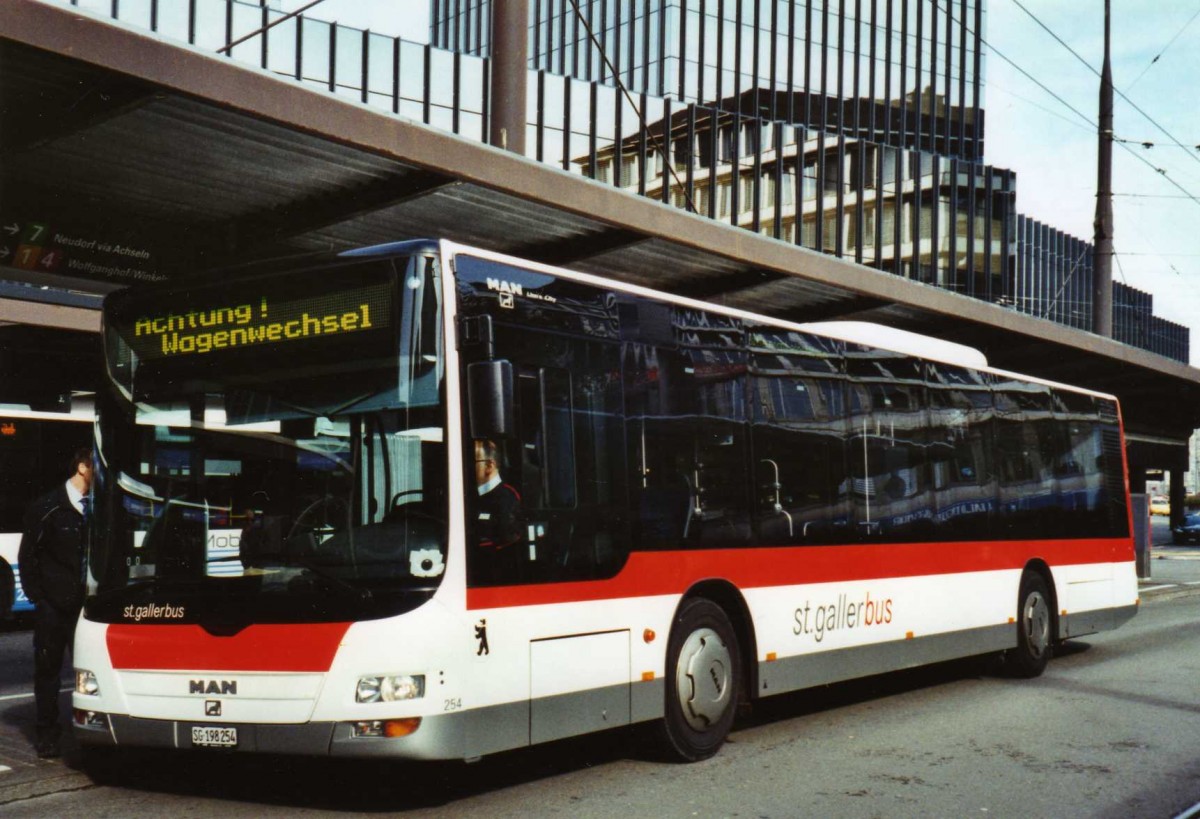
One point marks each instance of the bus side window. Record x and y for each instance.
(1114, 519)
(688, 442)
(1080, 466)
(546, 472)
(559, 441)
(887, 445)
(798, 430)
(798, 434)
(531, 467)
(961, 440)
(1024, 437)
(566, 461)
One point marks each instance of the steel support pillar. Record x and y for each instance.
(510, 67)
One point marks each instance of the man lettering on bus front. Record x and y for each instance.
(499, 526)
(51, 561)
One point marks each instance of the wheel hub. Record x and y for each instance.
(1037, 623)
(702, 678)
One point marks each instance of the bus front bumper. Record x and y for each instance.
(438, 737)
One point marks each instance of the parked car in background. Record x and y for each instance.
(1188, 531)
(1160, 505)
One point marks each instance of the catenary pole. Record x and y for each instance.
(1102, 301)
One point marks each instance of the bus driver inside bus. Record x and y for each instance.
(499, 526)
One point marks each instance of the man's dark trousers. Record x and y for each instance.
(53, 634)
(51, 560)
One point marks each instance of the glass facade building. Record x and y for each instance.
(853, 127)
(850, 127)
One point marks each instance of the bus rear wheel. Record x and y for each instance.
(703, 678)
(1035, 626)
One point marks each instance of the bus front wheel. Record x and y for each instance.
(1035, 625)
(703, 675)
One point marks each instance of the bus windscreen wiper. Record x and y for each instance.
(340, 583)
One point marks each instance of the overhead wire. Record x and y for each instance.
(992, 86)
(616, 75)
(1083, 254)
(1161, 171)
(1125, 144)
(1170, 43)
(267, 27)
(1121, 94)
(1146, 143)
(1151, 195)
(1186, 194)
(1139, 229)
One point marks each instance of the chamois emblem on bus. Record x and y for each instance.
(213, 687)
(508, 291)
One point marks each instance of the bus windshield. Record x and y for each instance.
(272, 448)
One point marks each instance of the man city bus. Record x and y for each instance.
(294, 553)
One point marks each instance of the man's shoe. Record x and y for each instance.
(48, 749)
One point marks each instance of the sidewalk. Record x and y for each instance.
(22, 774)
(1174, 570)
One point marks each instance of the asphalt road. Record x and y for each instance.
(1111, 730)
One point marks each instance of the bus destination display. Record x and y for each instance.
(260, 322)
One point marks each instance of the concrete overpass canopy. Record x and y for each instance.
(141, 157)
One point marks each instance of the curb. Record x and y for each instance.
(1172, 592)
(44, 786)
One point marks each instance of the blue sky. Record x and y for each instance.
(1051, 147)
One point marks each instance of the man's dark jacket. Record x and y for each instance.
(500, 517)
(51, 553)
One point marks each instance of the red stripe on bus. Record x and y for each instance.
(647, 574)
(267, 647)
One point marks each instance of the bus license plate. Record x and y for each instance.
(212, 737)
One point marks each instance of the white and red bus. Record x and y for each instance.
(713, 507)
(36, 447)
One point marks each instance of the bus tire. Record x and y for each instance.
(1035, 628)
(703, 677)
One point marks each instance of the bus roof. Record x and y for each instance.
(868, 334)
(405, 248)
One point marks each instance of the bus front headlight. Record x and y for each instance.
(390, 687)
(86, 683)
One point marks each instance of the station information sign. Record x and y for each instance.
(97, 255)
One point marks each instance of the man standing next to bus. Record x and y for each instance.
(51, 564)
(499, 525)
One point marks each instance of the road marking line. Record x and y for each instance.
(30, 694)
(1190, 812)
(4, 769)
(1156, 588)
(1192, 583)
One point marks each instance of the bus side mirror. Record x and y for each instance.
(490, 399)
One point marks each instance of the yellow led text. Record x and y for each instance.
(202, 331)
